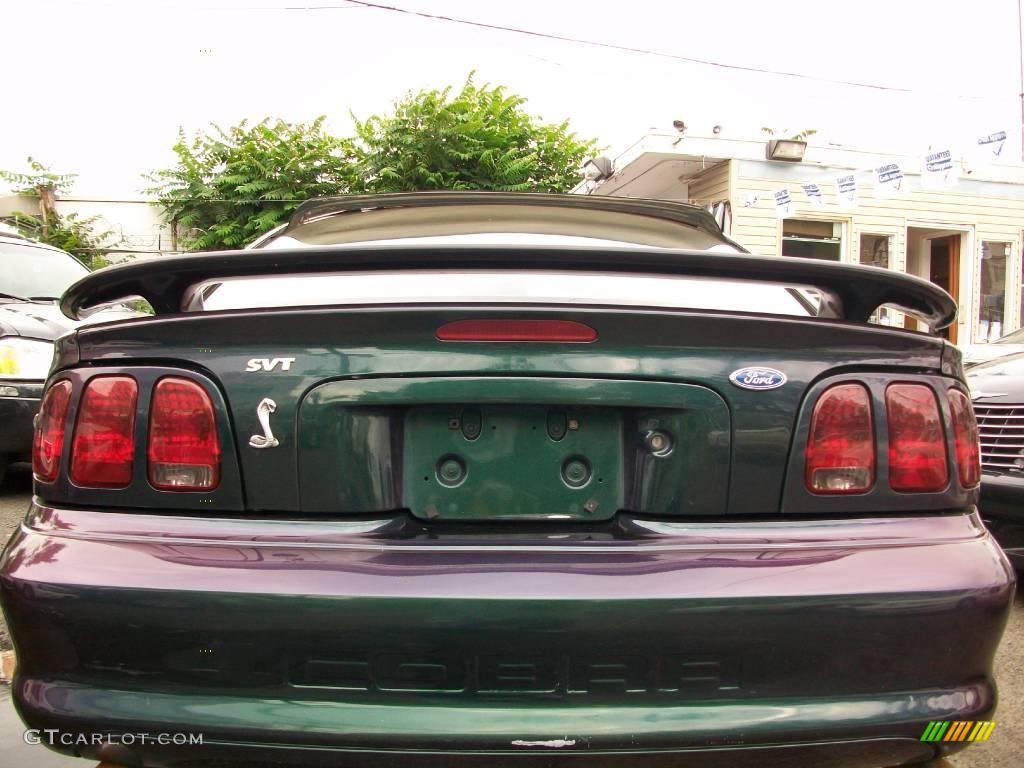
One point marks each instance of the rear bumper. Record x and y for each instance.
(827, 642)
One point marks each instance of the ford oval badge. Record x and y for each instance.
(757, 378)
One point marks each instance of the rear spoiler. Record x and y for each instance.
(852, 292)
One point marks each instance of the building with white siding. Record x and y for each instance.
(966, 238)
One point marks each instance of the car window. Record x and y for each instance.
(502, 287)
(1010, 365)
(1017, 337)
(694, 240)
(491, 223)
(30, 272)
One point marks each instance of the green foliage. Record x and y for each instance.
(40, 177)
(803, 135)
(231, 185)
(478, 138)
(79, 237)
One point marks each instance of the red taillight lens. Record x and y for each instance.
(965, 437)
(48, 442)
(103, 448)
(841, 444)
(516, 330)
(917, 442)
(184, 449)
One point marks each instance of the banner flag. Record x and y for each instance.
(938, 171)
(813, 192)
(783, 204)
(889, 180)
(993, 142)
(846, 189)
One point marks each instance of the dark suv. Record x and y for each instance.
(997, 387)
(540, 480)
(32, 278)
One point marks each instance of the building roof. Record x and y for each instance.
(662, 160)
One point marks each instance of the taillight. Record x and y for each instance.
(917, 442)
(841, 444)
(965, 438)
(184, 450)
(103, 448)
(48, 441)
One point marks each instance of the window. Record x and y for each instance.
(874, 252)
(812, 239)
(991, 304)
(499, 286)
(32, 272)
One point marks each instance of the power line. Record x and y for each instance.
(216, 8)
(357, 4)
(626, 48)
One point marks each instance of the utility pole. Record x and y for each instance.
(1020, 52)
(47, 193)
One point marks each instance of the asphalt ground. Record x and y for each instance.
(1004, 749)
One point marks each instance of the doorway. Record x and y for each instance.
(934, 254)
(944, 271)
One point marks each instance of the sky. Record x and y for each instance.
(100, 87)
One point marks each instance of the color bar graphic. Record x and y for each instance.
(958, 730)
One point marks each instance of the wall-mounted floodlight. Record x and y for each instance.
(597, 168)
(788, 150)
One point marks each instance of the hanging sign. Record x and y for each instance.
(938, 171)
(813, 192)
(993, 142)
(783, 204)
(889, 180)
(846, 190)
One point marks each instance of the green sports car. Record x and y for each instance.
(500, 479)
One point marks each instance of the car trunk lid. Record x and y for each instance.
(368, 402)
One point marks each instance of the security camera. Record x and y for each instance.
(679, 125)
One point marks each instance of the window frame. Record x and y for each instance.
(1010, 292)
(843, 239)
(895, 317)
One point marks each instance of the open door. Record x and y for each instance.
(945, 272)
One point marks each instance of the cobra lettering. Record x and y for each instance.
(546, 674)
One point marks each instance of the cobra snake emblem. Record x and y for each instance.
(267, 439)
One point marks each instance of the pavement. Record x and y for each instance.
(1002, 750)
(15, 491)
(14, 752)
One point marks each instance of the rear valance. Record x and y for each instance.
(851, 292)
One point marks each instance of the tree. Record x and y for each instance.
(478, 138)
(803, 135)
(43, 183)
(231, 185)
(78, 237)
